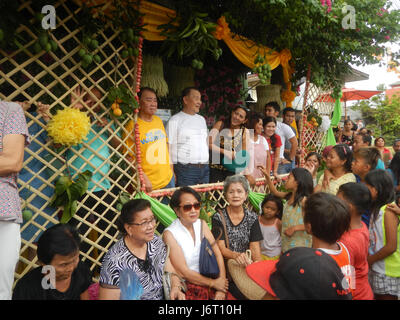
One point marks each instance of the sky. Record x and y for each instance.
(377, 75)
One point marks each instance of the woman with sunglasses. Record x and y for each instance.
(184, 238)
(139, 251)
(238, 228)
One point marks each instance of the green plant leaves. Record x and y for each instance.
(68, 192)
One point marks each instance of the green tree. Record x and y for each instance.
(381, 116)
(315, 35)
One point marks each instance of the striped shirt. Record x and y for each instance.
(120, 258)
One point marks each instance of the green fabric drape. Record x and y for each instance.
(163, 212)
(166, 215)
(337, 115)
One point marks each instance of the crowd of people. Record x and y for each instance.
(337, 215)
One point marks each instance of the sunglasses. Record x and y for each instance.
(189, 207)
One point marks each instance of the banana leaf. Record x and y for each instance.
(164, 213)
(255, 199)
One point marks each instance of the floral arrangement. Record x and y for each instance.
(69, 126)
(288, 97)
(221, 91)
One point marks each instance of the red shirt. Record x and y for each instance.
(278, 144)
(357, 242)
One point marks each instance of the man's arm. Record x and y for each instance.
(12, 156)
(293, 148)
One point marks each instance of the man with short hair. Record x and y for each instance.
(157, 167)
(187, 135)
(272, 109)
(288, 116)
(396, 145)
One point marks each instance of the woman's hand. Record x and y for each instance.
(310, 167)
(229, 154)
(102, 122)
(76, 94)
(219, 295)
(327, 176)
(290, 231)
(264, 171)
(177, 294)
(220, 284)
(394, 208)
(243, 260)
(43, 110)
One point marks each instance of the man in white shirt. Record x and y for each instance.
(288, 117)
(187, 136)
(272, 109)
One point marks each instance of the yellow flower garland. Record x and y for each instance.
(69, 126)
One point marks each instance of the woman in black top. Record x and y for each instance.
(62, 276)
(242, 227)
(227, 138)
(346, 135)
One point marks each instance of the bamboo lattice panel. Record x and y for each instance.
(312, 139)
(51, 78)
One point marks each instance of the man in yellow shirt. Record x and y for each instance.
(157, 167)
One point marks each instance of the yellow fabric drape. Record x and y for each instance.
(243, 49)
(154, 16)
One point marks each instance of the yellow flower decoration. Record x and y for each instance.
(69, 126)
(288, 96)
(222, 30)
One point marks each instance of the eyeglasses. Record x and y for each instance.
(145, 224)
(189, 207)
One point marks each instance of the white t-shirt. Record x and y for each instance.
(286, 133)
(187, 138)
(262, 140)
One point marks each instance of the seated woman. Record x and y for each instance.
(183, 236)
(140, 251)
(69, 278)
(242, 227)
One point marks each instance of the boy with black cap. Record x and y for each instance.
(300, 274)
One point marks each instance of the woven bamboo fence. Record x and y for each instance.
(51, 78)
(313, 139)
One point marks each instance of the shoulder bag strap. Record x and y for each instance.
(224, 225)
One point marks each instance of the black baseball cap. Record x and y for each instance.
(301, 274)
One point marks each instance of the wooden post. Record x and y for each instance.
(303, 115)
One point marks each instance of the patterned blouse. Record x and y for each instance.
(293, 216)
(240, 235)
(12, 121)
(149, 271)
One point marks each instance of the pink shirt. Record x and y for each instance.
(12, 121)
(357, 242)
